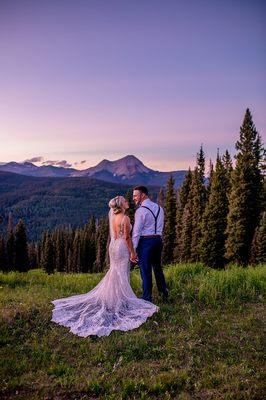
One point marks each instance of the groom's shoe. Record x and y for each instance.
(147, 299)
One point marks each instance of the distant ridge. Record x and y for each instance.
(49, 202)
(126, 170)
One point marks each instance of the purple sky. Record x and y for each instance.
(87, 80)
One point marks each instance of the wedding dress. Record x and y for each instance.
(112, 304)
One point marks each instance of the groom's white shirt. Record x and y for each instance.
(144, 221)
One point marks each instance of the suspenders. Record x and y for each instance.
(155, 216)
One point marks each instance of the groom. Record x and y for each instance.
(147, 241)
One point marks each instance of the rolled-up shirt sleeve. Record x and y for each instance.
(138, 225)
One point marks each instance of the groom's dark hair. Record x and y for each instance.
(142, 189)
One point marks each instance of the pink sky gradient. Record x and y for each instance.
(95, 80)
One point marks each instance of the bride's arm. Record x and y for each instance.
(128, 239)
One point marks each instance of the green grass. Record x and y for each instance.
(206, 343)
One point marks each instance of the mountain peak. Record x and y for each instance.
(104, 162)
(127, 167)
(130, 157)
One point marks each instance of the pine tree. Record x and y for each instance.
(210, 177)
(188, 235)
(89, 246)
(101, 245)
(227, 163)
(184, 242)
(32, 253)
(21, 248)
(39, 254)
(71, 255)
(201, 165)
(185, 189)
(196, 215)
(169, 222)
(161, 198)
(258, 247)
(69, 260)
(68, 240)
(59, 244)
(10, 244)
(76, 254)
(197, 198)
(201, 175)
(48, 254)
(215, 219)
(182, 198)
(3, 256)
(245, 196)
(84, 251)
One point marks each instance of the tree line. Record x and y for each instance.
(63, 249)
(216, 221)
(223, 221)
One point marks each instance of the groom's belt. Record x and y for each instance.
(149, 236)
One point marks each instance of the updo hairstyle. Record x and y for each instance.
(116, 204)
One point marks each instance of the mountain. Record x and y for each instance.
(127, 170)
(49, 202)
(29, 169)
(126, 167)
(132, 171)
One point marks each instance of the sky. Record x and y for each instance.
(83, 80)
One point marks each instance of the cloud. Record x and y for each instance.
(49, 162)
(34, 159)
(81, 162)
(62, 163)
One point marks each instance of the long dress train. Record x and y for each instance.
(111, 305)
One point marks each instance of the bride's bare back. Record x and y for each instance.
(121, 226)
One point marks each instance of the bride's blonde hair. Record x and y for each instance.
(116, 204)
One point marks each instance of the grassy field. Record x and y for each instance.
(206, 343)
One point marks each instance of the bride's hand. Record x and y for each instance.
(133, 256)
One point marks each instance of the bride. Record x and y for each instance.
(112, 304)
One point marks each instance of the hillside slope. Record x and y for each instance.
(49, 202)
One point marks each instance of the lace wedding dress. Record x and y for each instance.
(112, 304)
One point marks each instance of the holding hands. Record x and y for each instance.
(133, 256)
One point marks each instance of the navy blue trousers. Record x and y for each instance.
(149, 252)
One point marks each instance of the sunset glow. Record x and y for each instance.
(88, 80)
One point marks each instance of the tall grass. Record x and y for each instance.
(235, 284)
(190, 349)
(192, 282)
